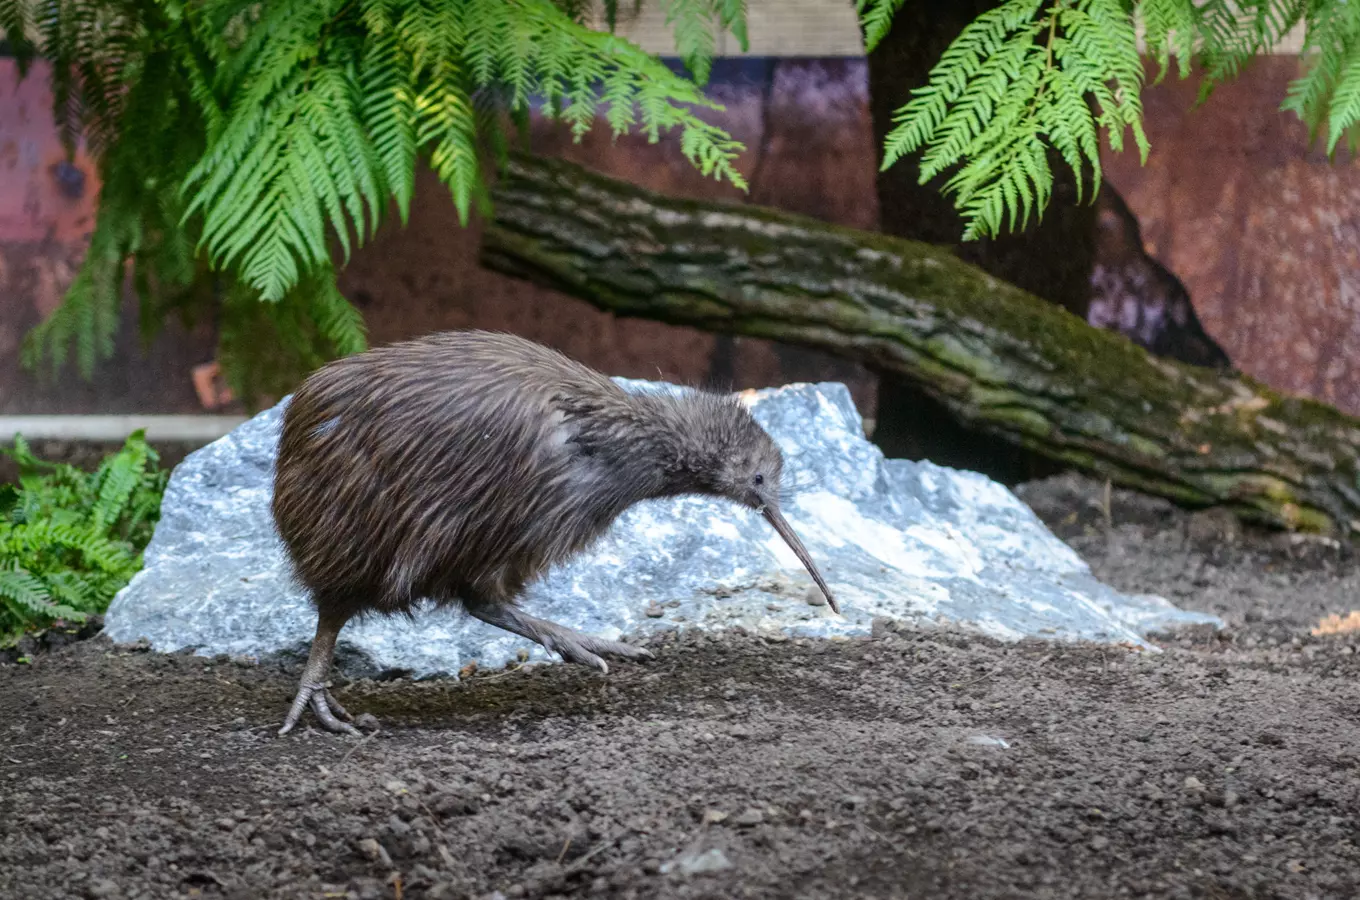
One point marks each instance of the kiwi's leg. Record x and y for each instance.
(572, 645)
(313, 689)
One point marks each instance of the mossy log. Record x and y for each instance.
(1001, 360)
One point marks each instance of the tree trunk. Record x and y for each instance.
(1000, 360)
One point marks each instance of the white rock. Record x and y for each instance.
(909, 541)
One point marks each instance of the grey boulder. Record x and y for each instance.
(908, 541)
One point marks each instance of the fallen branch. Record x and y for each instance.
(1001, 360)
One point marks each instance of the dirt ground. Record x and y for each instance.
(912, 765)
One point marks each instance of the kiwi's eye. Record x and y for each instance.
(759, 479)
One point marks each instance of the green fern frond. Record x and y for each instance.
(1328, 93)
(875, 18)
(1234, 32)
(19, 24)
(118, 477)
(446, 119)
(732, 18)
(311, 152)
(1345, 106)
(311, 324)
(1018, 81)
(693, 22)
(73, 591)
(23, 456)
(29, 598)
(338, 321)
(1170, 28)
(87, 316)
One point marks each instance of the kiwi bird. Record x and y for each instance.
(458, 467)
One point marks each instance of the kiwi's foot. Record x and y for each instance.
(328, 711)
(573, 646)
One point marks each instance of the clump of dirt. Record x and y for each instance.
(913, 764)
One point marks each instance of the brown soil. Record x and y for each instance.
(1221, 768)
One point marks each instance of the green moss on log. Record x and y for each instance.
(999, 359)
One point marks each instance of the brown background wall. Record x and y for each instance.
(1262, 232)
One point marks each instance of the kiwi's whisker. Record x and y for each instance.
(799, 483)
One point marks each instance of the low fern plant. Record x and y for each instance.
(69, 539)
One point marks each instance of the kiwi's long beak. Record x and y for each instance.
(775, 518)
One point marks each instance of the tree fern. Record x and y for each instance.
(245, 150)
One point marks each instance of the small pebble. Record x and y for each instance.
(1193, 784)
(654, 611)
(749, 818)
(374, 851)
(713, 860)
(366, 721)
(814, 596)
(102, 887)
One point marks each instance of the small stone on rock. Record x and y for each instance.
(654, 611)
